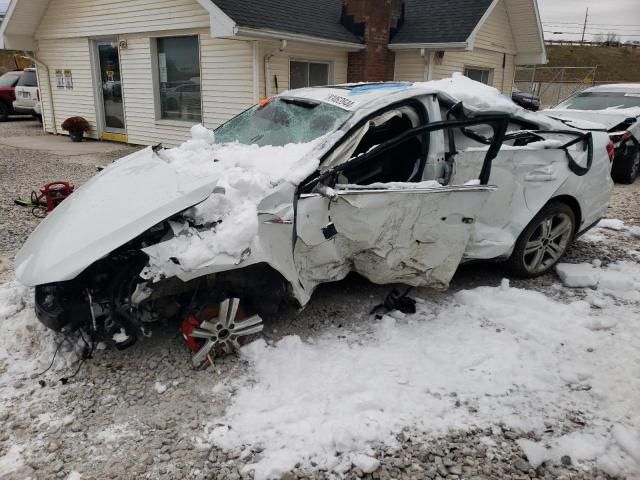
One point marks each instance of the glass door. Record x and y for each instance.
(108, 65)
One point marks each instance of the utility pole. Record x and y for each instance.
(586, 19)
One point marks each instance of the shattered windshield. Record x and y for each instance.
(601, 101)
(281, 121)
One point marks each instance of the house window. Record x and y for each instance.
(179, 78)
(307, 74)
(482, 75)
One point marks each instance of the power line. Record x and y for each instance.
(590, 27)
(586, 33)
(593, 24)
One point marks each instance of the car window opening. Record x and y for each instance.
(401, 163)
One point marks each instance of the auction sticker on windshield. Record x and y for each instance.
(340, 101)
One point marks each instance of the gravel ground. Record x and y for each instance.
(110, 422)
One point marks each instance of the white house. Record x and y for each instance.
(145, 71)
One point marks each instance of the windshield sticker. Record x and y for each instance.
(360, 90)
(340, 101)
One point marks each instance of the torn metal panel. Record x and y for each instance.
(411, 235)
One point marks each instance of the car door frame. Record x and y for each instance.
(328, 180)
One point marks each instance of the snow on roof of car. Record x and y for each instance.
(475, 96)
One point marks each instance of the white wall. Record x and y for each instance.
(83, 18)
(494, 41)
(279, 63)
(73, 54)
(227, 87)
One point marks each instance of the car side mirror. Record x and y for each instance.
(325, 190)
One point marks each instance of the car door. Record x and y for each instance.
(413, 232)
(530, 168)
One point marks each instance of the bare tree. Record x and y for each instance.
(612, 37)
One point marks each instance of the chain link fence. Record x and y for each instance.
(554, 84)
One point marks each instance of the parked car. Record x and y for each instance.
(27, 93)
(8, 83)
(617, 107)
(526, 100)
(398, 182)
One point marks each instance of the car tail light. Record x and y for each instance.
(611, 150)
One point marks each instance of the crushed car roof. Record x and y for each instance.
(474, 95)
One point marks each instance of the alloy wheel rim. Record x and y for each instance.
(548, 242)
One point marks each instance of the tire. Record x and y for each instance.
(5, 111)
(625, 169)
(537, 250)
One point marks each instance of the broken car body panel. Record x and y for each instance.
(119, 203)
(410, 235)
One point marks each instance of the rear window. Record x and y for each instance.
(9, 79)
(28, 79)
(601, 101)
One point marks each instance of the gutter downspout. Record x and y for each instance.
(428, 59)
(45, 67)
(267, 59)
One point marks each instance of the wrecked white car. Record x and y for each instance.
(398, 182)
(617, 109)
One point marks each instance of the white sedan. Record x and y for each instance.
(399, 182)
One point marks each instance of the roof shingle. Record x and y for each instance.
(437, 21)
(316, 18)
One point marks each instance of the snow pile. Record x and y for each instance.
(611, 224)
(27, 346)
(620, 280)
(242, 176)
(490, 355)
(578, 275)
(472, 93)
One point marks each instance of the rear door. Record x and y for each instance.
(404, 230)
(27, 89)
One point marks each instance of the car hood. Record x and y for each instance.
(607, 118)
(118, 204)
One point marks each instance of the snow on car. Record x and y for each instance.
(399, 182)
(617, 108)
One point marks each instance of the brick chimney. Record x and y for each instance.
(374, 21)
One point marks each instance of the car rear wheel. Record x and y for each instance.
(4, 112)
(545, 240)
(625, 169)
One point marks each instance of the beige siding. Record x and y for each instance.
(496, 33)
(70, 54)
(410, 66)
(227, 88)
(522, 16)
(227, 78)
(279, 63)
(457, 61)
(83, 18)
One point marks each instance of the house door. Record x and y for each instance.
(109, 84)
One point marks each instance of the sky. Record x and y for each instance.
(567, 16)
(619, 16)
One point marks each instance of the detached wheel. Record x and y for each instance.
(625, 169)
(4, 112)
(544, 241)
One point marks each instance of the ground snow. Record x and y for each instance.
(489, 355)
(611, 224)
(27, 346)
